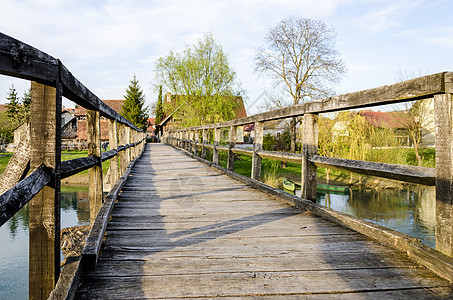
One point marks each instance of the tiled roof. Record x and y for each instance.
(394, 119)
(115, 104)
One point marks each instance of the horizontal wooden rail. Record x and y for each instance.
(74, 166)
(16, 197)
(414, 89)
(418, 175)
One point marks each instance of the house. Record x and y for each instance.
(74, 125)
(169, 122)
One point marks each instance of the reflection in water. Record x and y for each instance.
(75, 210)
(412, 212)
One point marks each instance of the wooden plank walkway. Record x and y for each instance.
(183, 230)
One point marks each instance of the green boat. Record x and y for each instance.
(289, 185)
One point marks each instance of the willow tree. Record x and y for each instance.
(300, 56)
(203, 84)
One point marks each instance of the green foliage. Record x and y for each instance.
(12, 108)
(202, 82)
(281, 142)
(134, 108)
(159, 107)
(17, 111)
(268, 142)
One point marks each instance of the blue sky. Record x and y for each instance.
(104, 43)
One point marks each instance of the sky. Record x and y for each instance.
(105, 43)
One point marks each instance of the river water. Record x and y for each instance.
(408, 211)
(14, 240)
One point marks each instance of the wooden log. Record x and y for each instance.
(257, 147)
(95, 172)
(281, 156)
(215, 153)
(443, 105)
(232, 143)
(309, 148)
(197, 140)
(19, 164)
(418, 175)
(74, 166)
(44, 208)
(128, 141)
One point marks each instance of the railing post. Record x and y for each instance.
(443, 105)
(232, 143)
(204, 140)
(309, 148)
(122, 142)
(257, 146)
(44, 208)
(95, 172)
(215, 153)
(197, 140)
(190, 141)
(113, 142)
(128, 141)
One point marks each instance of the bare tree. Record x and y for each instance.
(300, 56)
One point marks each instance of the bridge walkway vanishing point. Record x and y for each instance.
(181, 229)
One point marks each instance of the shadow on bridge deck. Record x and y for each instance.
(183, 230)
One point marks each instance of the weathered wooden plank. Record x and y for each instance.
(16, 197)
(309, 148)
(260, 284)
(419, 175)
(95, 172)
(74, 166)
(20, 60)
(93, 243)
(257, 147)
(414, 89)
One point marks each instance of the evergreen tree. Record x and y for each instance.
(24, 110)
(134, 108)
(12, 108)
(159, 107)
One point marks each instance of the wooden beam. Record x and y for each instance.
(215, 153)
(309, 148)
(418, 175)
(113, 142)
(257, 147)
(443, 105)
(204, 142)
(232, 143)
(122, 142)
(44, 208)
(95, 172)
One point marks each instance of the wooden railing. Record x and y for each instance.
(51, 81)
(438, 86)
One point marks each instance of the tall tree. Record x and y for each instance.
(300, 56)
(204, 83)
(134, 108)
(13, 106)
(159, 107)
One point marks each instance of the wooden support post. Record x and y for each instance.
(443, 105)
(191, 138)
(128, 141)
(113, 142)
(257, 146)
(197, 140)
(122, 154)
(309, 148)
(95, 172)
(232, 143)
(215, 153)
(44, 208)
(204, 141)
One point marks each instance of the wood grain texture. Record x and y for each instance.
(183, 230)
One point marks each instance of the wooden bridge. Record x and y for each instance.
(175, 225)
(181, 229)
